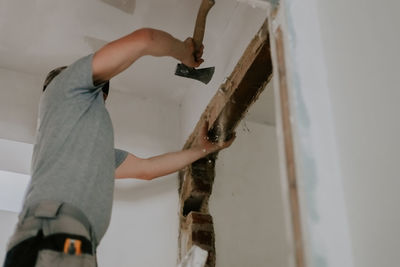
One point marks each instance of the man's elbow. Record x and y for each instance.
(145, 37)
(147, 176)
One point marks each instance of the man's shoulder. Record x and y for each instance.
(76, 78)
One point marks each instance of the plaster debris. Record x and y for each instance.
(245, 127)
(196, 257)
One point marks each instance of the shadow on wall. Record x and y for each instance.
(127, 6)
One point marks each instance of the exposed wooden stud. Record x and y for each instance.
(289, 149)
(224, 112)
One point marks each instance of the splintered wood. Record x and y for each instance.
(224, 112)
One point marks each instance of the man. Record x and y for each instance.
(68, 203)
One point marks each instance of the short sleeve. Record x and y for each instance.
(77, 78)
(120, 156)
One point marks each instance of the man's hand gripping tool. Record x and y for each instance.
(203, 75)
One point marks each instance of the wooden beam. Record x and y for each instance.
(289, 149)
(239, 91)
(224, 112)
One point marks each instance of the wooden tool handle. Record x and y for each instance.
(200, 27)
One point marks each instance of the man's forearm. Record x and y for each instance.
(171, 162)
(164, 44)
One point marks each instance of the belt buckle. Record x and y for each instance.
(72, 246)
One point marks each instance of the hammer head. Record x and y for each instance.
(202, 75)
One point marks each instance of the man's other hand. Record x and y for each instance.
(207, 145)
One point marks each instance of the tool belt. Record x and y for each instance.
(61, 250)
(66, 243)
(58, 223)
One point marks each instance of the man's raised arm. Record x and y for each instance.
(118, 55)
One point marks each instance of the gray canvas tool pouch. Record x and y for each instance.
(59, 217)
(51, 217)
(50, 258)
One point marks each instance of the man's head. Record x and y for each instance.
(52, 74)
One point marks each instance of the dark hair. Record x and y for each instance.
(52, 74)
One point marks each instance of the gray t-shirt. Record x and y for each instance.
(74, 159)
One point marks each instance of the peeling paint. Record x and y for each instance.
(319, 261)
(306, 164)
(274, 2)
(304, 125)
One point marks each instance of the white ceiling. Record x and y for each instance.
(38, 35)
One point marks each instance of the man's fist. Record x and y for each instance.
(207, 146)
(190, 57)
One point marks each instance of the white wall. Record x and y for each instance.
(246, 203)
(13, 187)
(144, 224)
(8, 221)
(362, 57)
(344, 65)
(324, 221)
(19, 95)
